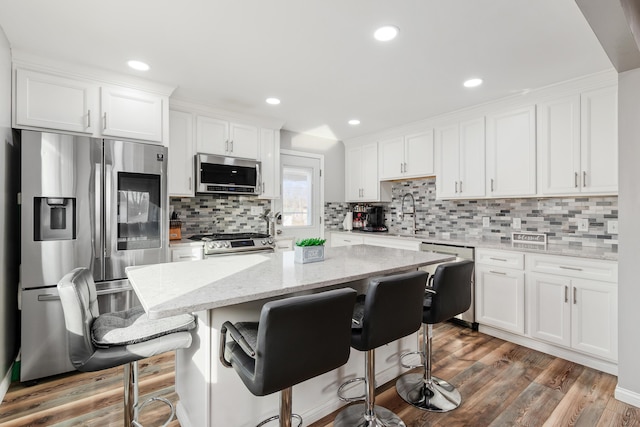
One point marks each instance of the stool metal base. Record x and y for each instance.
(354, 416)
(439, 396)
(277, 417)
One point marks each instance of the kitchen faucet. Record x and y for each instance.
(413, 209)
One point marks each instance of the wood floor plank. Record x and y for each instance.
(531, 408)
(560, 375)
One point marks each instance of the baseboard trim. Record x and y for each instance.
(181, 415)
(6, 382)
(627, 396)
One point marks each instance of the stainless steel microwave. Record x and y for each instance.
(227, 175)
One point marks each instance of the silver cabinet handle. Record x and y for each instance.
(460, 186)
(491, 184)
(456, 187)
(348, 241)
(226, 145)
(569, 268)
(262, 189)
(104, 121)
(401, 169)
(575, 296)
(575, 179)
(498, 259)
(231, 142)
(584, 178)
(405, 168)
(498, 272)
(48, 297)
(188, 257)
(566, 294)
(88, 118)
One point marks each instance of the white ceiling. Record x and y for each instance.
(319, 56)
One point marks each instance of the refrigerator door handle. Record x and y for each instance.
(107, 210)
(97, 232)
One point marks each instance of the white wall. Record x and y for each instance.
(629, 237)
(333, 152)
(9, 245)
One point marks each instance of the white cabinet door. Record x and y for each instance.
(500, 298)
(511, 153)
(243, 141)
(549, 308)
(389, 242)
(418, 154)
(353, 174)
(599, 136)
(54, 102)
(340, 239)
(189, 253)
(181, 155)
(212, 135)
(472, 165)
(370, 183)
(270, 162)
(130, 113)
(448, 161)
(559, 169)
(594, 316)
(391, 158)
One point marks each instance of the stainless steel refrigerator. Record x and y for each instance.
(86, 202)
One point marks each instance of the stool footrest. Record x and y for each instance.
(341, 395)
(422, 360)
(277, 417)
(158, 399)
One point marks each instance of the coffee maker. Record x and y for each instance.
(375, 219)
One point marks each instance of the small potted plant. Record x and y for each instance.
(309, 250)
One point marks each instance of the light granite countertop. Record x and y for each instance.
(608, 254)
(184, 287)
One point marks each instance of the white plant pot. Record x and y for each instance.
(305, 254)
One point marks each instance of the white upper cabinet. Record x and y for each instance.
(459, 156)
(217, 136)
(270, 162)
(53, 101)
(511, 153)
(361, 174)
(599, 140)
(408, 156)
(129, 113)
(577, 140)
(181, 154)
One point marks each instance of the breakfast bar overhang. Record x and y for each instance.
(234, 288)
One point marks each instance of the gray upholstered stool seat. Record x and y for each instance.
(448, 296)
(296, 339)
(390, 310)
(99, 342)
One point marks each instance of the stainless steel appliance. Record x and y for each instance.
(227, 175)
(468, 318)
(86, 202)
(375, 220)
(235, 243)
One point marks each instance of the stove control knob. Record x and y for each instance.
(264, 242)
(210, 245)
(227, 245)
(270, 241)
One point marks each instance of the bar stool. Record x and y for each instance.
(448, 295)
(101, 341)
(296, 339)
(390, 310)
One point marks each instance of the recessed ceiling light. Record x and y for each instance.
(473, 83)
(273, 101)
(138, 65)
(354, 122)
(386, 33)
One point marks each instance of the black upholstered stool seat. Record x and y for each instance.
(296, 339)
(101, 341)
(390, 310)
(448, 296)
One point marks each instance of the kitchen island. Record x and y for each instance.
(234, 288)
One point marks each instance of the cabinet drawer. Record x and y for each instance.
(345, 240)
(593, 269)
(392, 243)
(192, 253)
(503, 259)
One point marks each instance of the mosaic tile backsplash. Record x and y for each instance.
(557, 217)
(219, 213)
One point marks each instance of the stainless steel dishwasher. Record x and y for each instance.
(467, 318)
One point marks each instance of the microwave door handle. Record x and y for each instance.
(259, 178)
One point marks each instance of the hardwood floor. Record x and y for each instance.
(502, 384)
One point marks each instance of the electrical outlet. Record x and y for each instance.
(612, 227)
(256, 210)
(486, 221)
(516, 224)
(583, 224)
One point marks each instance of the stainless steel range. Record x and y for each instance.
(234, 243)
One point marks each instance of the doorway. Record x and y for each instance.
(302, 196)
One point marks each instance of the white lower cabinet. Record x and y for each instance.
(345, 239)
(500, 297)
(187, 253)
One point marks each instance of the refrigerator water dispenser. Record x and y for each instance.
(54, 218)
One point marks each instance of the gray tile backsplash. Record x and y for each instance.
(557, 217)
(219, 213)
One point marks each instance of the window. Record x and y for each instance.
(297, 206)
